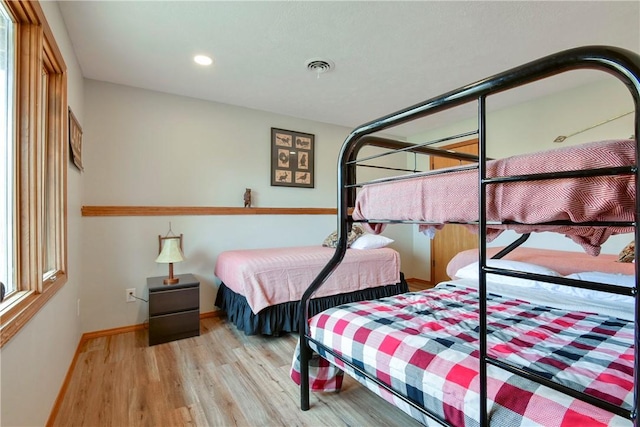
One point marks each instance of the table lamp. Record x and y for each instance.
(171, 251)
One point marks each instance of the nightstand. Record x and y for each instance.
(174, 310)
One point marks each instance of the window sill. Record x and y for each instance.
(19, 308)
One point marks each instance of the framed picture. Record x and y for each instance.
(292, 158)
(75, 140)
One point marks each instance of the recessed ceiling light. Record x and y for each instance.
(202, 60)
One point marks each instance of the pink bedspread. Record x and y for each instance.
(272, 276)
(453, 197)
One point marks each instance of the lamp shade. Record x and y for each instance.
(170, 251)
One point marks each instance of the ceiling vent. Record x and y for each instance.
(320, 66)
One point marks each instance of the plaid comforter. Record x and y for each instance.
(424, 345)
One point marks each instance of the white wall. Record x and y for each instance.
(533, 126)
(34, 362)
(149, 148)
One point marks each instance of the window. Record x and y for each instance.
(6, 166)
(33, 170)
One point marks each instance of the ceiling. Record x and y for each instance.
(388, 55)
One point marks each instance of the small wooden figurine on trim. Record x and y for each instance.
(247, 198)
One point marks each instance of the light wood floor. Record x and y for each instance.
(221, 378)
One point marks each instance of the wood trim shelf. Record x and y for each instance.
(198, 210)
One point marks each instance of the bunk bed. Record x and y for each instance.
(260, 289)
(469, 351)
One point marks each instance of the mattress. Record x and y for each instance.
(424, 345)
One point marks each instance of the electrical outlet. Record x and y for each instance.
(131, 295)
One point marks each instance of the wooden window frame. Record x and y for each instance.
(36, 50)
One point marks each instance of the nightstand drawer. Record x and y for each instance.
(174, 310)
(172, 300)
(176, 326)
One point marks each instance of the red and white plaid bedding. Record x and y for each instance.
(425, 345)
(453, 197)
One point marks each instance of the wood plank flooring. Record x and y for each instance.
(221, 378)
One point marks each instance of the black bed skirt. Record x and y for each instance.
(281, 318)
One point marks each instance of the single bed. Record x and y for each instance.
(503, 345)
(260, 288)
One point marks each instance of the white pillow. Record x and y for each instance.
(628, 280)
(600, 277)
(471, 272)
(371, 241)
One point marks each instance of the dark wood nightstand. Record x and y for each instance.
(174, 310)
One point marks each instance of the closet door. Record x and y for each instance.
(452, 238)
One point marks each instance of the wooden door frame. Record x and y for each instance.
(431, 167)
(453, 146)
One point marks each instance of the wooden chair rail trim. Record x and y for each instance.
(198, 210)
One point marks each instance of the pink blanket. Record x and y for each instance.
(453, 197)
(272, 276)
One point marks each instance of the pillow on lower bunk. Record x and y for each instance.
(626, 280)
(599, 277)
(471, 272)
(371, 241)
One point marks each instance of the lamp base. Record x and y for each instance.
(170, 280)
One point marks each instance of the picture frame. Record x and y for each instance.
(75, 140)
(292, 158)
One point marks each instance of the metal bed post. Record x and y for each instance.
(305, 356)
(482, 244)
(345, 194)
(636, 353)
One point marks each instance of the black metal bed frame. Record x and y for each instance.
(621, 63)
